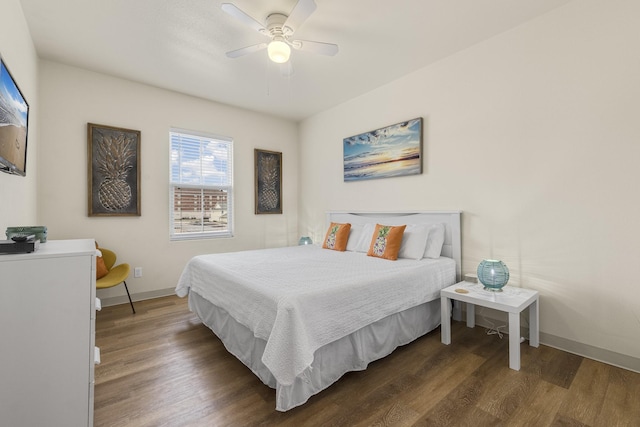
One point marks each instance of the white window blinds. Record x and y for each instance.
(201, 185)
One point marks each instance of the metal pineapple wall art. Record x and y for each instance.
(268, 175)
(269, 193)
(116, 154)
(114, 171)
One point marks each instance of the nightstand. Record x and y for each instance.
(511, 300)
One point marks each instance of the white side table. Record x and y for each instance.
(511, 300)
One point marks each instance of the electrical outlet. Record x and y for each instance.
(137, 272)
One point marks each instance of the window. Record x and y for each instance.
(201, 185)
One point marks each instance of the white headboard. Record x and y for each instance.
(452, 247)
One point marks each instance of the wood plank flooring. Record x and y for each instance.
(162, 367)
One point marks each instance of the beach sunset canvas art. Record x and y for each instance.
(394, 150)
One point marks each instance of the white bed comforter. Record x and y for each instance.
(300, 298)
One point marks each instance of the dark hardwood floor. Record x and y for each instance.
(162, 367)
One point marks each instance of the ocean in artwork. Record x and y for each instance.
(395, 150)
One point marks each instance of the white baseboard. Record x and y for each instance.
(574, 347)
(596, 353)
(107, 302)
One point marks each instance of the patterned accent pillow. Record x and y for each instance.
(337, 236)
(386, 241)
(101, 268)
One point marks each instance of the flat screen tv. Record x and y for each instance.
(14, 118)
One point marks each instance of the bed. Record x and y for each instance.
(301, 317)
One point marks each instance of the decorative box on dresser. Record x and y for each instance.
(47, 335)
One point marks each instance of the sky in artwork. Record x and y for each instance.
(12, 100)
(391, 151)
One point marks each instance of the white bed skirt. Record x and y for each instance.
(351, 353)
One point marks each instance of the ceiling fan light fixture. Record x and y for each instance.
(278, 51)
(280, 28)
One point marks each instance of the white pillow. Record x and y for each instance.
(435, 241)
(365, 239)
(414, 241)
(354, 237)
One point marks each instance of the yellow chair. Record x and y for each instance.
(116, 275)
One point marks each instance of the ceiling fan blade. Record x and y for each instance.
(241, 16)
(321, 48)
(301, 11)
(246, 50)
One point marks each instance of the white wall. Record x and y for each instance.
(534, 135)
(73, 97)
(18, 194)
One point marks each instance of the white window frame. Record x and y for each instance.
(197, 180)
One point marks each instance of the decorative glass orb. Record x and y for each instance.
(493, 274)
(305, 240)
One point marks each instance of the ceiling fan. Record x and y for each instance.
(280, 28)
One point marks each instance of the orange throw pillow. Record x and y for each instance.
(337, 237)
(386, 241)
(101, 268)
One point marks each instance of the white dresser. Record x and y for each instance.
(47, 335)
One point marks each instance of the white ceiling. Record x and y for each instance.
(180, 44)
